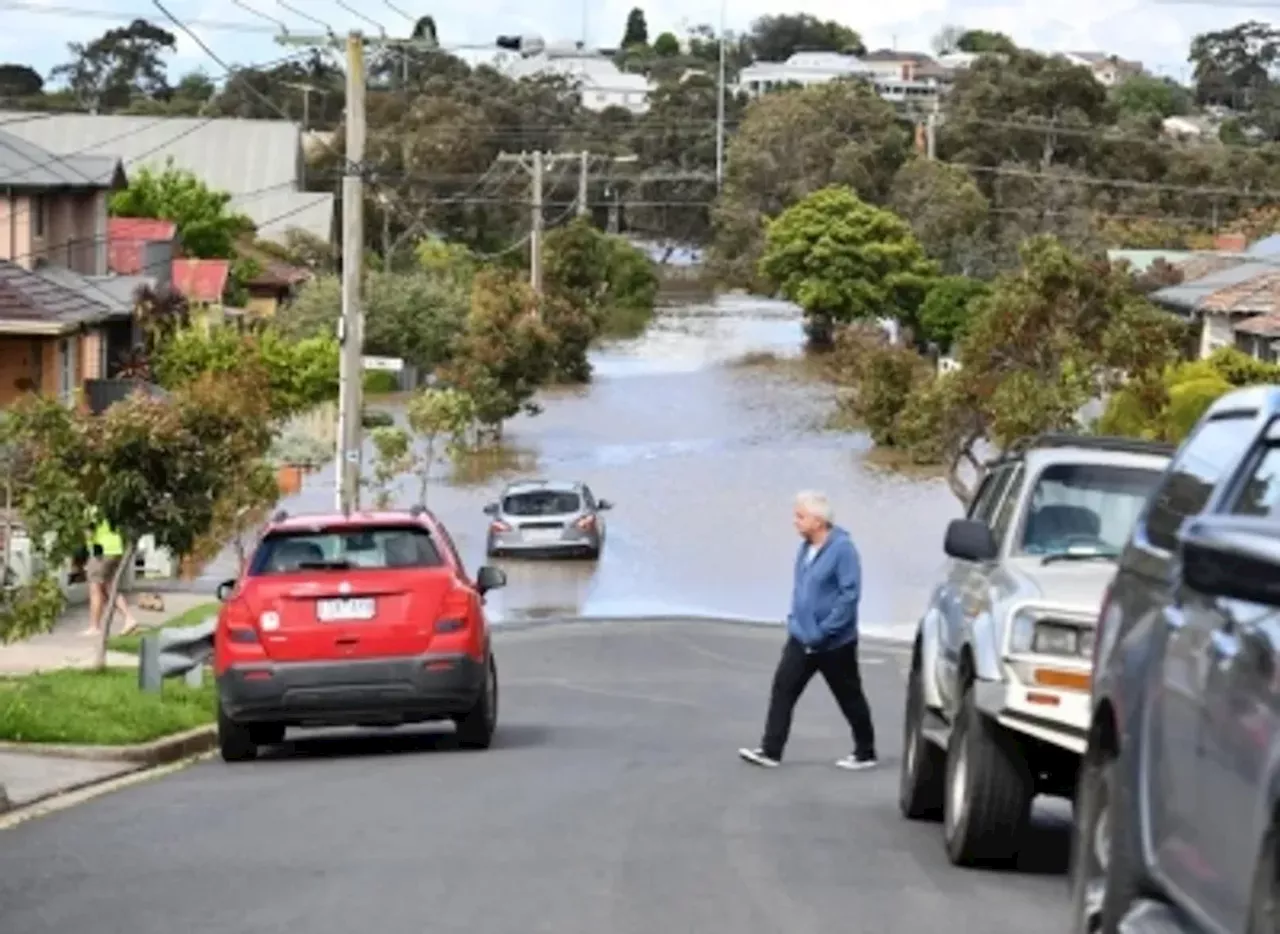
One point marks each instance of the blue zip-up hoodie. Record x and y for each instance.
(824, 602)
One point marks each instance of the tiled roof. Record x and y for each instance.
(1267, 325)
(31, 303)
(201, 280)
(24, 164)
(276, 274)
(1254, 295)
(115, 292)
(1206, 264)
(128, 236)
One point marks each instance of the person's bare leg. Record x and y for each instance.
(97, 597)
(122, 607)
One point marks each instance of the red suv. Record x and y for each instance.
(366, 619)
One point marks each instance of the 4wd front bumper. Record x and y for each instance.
(350, 692)
(1058, 716)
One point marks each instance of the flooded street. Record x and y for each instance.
(701, 456)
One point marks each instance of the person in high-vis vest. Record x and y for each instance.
(107, 551)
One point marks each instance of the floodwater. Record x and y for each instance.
(701, 456)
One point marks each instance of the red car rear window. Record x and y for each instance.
(347, 548)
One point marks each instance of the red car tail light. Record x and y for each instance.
(586, 522)
(454, 611)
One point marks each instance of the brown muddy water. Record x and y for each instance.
(701, 456)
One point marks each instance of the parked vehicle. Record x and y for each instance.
(548, 518)
(366, 619)
(998, 694)
(1178, 814)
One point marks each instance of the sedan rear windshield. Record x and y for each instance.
(542, 503)
(370, 547)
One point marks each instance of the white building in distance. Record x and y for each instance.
(602, 83)
(898, 77)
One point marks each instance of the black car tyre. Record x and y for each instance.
(922, 778)
(476, 727)
(235, 740)
(987, 803)
(1104, 881)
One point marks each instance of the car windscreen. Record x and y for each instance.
(542, 503)
(370, 547)
(1089, 507)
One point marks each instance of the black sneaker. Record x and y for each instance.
(757, 757)
(856, 763)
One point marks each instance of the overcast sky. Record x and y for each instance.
(1156, 33)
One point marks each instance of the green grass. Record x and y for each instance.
(132, 643)
(98, 708)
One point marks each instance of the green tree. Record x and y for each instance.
(1148, 96)
(776, 38)
(441, 422)
(121, 64)
(666, 45)
(982, 40)
(207, 225)
(1233, 66)
(637, 31)
(505, 351)
(1058, 333)
(949, 308)
(794, 143)
(947, 212)
(19, 81)
(841, 259)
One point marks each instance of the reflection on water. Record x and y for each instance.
(701, 456)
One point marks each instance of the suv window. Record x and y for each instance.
(1260, 494)
(1200, 465)
(1088, 506)
(988, 496)
(366, 547)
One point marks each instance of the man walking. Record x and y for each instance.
(822, 636)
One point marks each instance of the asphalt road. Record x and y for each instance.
(613, 802)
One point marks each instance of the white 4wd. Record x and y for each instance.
(998, 695)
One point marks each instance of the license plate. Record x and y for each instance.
(330, 611)
(542, 535)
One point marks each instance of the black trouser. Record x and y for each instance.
(839, 668)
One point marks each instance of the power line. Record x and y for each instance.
(27, 6)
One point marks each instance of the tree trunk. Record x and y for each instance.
(109, 609)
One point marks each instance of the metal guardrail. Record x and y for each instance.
(167, 653)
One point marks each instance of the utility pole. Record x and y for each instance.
(536, 164)
(351, 325)
(584, 168)
(931, 134)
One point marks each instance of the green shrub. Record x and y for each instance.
(381, 382)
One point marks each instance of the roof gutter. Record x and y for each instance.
(10, 327)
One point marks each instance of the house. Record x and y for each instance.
(601, 83)
(64, 319)
(260, 163)
(899, 77)
(1234, 292)
(1110, 70)
(273, 288)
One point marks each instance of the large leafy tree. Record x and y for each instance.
(791, 144)
(1233, 66)
(947, 212)
(777, 37)
(843, 260)
(121, 64)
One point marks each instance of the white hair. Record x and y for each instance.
(817, 505)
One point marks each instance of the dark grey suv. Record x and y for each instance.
(1178, 807)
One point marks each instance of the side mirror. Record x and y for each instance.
(225, 590)
(490, 578)
(491, 509)
(603, 504)
(970, 540)
(1233, 557)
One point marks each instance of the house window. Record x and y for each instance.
(38, 209)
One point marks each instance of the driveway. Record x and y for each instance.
(613, 802)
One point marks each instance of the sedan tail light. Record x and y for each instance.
(586, 523)
(497, 525)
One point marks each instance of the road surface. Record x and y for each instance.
(612, 803)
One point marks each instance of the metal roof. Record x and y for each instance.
(24, 164)
(1189, 296)
(258, 162)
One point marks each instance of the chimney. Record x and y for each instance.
(1231, 242)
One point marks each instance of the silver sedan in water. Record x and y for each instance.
(547, 518)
